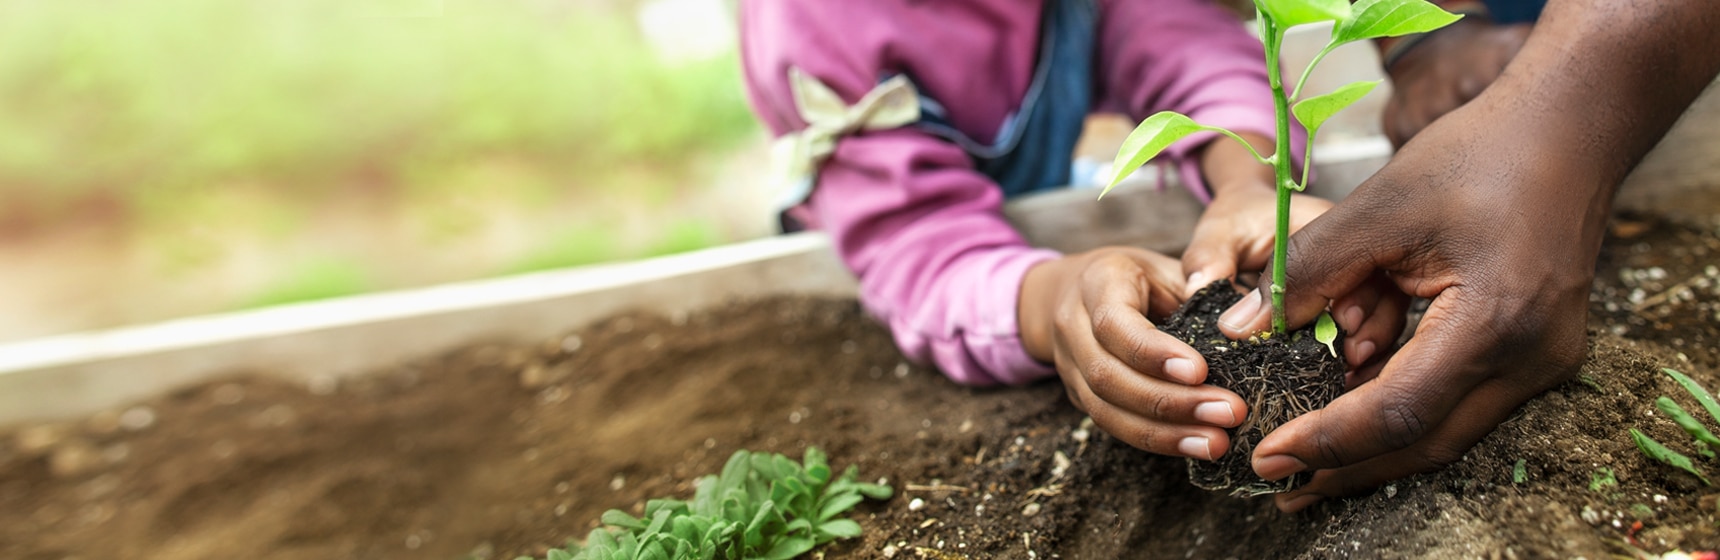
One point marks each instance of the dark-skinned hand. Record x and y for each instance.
(1446, 70)
(1508, 267)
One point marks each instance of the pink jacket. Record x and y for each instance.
(908, 213)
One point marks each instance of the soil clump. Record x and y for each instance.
(1280, 377)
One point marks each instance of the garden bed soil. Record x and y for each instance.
(500, 449)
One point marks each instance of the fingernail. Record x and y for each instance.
(1241, 315)
(1298, 503)
(1217, 413)
(1364, 350)
(1275, 467)
(1352, 318)
(1195, 446)
(1182, 370)
(1196, 281)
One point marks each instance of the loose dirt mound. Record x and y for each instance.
(501, 449)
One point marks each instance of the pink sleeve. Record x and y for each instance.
(908, 213)
(925, 233)
(1192, 57)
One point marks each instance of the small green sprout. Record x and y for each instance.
(762, 506)
(1326, 331)
(1366, 19)
(1602, 478)
(1695, 390)
(1520, 471)
(1661, 453)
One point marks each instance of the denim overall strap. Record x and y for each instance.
(1035, 147)
(1506, 12)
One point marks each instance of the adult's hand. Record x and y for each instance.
(1496, 213)
(1446, 70)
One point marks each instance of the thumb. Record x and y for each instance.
(1327, 259)
(1208, 258)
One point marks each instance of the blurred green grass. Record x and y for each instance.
(158, 111)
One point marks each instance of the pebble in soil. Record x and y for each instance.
(1280, 377)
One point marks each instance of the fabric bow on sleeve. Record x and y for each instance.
(797, 155)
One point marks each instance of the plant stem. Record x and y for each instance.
(1274, 40)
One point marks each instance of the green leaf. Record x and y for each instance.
(840, 528)
(620, 518)
(1326, 331)
(817, 465)
(1313, 112)
(1654, 450)
(839, 504)
(1371, 19)
(1695, 390)
(875, 491)
(1149, 138)
(1602, 478)
(789, 548)
(1291, 13)
(557, 554)
(1520, 471)
(1684, 420)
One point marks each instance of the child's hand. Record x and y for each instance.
(1236, 233)
(1087, 314)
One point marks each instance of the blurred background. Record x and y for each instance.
(165, 158)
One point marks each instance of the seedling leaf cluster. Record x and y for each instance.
(1705, 441)
(762, 506)
(1364, 20)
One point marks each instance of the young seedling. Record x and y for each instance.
(1705, 439)
(1366, 19)
(761, 507)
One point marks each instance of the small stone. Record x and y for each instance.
(901, 370)
(137, 418)
(1031, 510)
(36, 441)
(889, 551)
(571, 344)
(1591, 516)
(916, 504)
(617, 483)
(229, 394)
(1391, 491)
(1080, 436)
(74, 458)
(540, 375)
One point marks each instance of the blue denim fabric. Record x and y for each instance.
(1035, 148)
(1506, 12)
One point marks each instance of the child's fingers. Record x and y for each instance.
(1111, 379)
(1152, 435)
(1117, 294)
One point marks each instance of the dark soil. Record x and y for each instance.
(1279, 377)
(500, 449)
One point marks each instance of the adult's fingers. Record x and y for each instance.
(1491, 403)
(1372, 317)
(1415, 392)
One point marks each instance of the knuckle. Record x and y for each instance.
(1102, 382)
(1401, 423)
(1327, 446)
(1440, 454)
(1161, 405)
